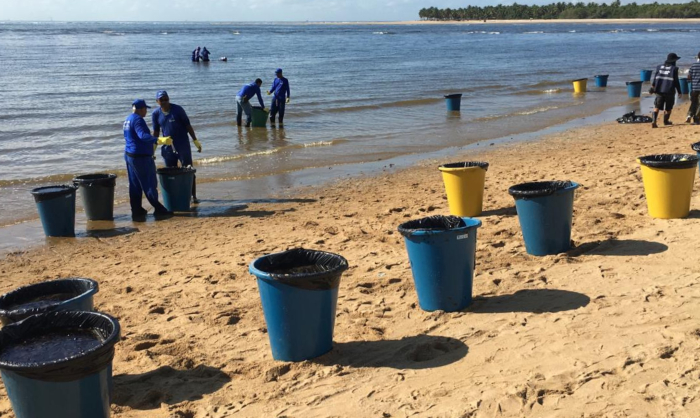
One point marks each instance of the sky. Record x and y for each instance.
(231, 10)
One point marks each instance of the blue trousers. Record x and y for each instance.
(242, 107)
(142, 180)
(277, 106)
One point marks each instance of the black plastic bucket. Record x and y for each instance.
(74, 294)
(98, 195)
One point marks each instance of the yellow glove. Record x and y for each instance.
(287, 101)
(164, 140)
(269, 93)
(198, 145)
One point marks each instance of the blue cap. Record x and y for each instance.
(161, 93)
(140, 104)
(278, 71)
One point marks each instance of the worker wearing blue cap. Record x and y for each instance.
(140, 167)
(280, 89)
(175, 124)
(243, 101)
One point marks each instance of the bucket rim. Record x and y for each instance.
(61, 189)
(175, 171)
(452, 96)
(464, 166)
(580, 79)
(92, 288)
(688, 161)
(633, 82)
(84, 178)
(601, 75)
(565, 186)
(469, 223)
(105, 344)
(254, 267)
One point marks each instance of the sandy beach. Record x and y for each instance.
(609, 329)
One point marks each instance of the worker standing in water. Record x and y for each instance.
(280, 90)
(140, 167)
(175, 124)
(243, 101)
(205, 54)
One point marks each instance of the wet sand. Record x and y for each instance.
(608, 329)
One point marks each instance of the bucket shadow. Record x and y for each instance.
(694, 214)
(530, 300)
(108, 233)
(166, 385)
(624, 247)
(509, 211)
(418, 352)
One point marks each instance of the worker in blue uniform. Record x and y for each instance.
(280, 89)
(140, 167)
(174, 122)
(243, 101)
(205, 54)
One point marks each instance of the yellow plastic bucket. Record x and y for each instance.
(668, 184)
(464, 184)
(580, 85)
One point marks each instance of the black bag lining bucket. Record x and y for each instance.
(466, 164)
(431, 223)
(302, 268)
(59, 346)
(42, 194)
(91, 180)
(677, 161)
(175, 171)
(42, 297)
(538, 188)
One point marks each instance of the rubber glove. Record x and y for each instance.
(269, 93)
(287, 101)
(164, 140)
(198, 145)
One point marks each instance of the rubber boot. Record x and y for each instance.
(666, 117)
(654, 116)
(194, 190)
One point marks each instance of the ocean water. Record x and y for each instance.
(359, 92)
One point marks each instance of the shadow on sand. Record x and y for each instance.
(418, 352)
(623, 247)
(166, 385)
(530, 300)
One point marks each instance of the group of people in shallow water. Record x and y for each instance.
(171, 120)
(200, 54)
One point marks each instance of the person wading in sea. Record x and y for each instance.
(664, 82)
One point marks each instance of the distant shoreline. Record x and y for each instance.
(515, 22)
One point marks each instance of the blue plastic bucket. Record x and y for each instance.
(299, 293)
(634, 88)
(176, 187)
(601, 80)
(56, 206)
(73, 378)
(645, 75)
(685, 89)
(74, 294)
(442, 252)
(453, 102)
(545, 211)
(98, 195)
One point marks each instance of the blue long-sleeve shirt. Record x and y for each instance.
(280, 88)
(250, 90)
(175, 124)
(137, 136)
